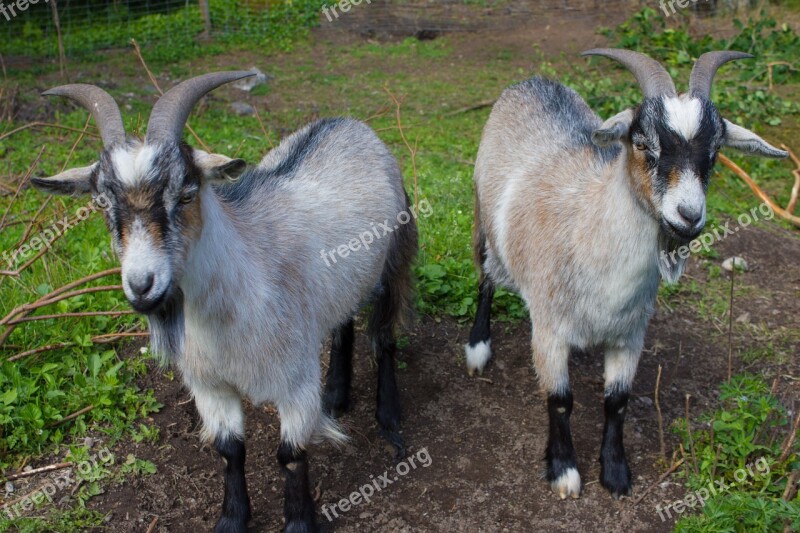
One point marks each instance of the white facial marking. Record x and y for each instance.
(130, 165)
(142, 257)
(687, 193)
(683, 115)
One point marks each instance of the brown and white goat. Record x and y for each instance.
(579, 216)
(230, 274)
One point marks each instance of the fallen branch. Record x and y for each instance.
(74, 415)
(22, 182)
(796, 187)
(791, 486)
(759, 192)
(53, 297)
(45, 125)
(41, 470)
(71, 315)
(473, 107)
(663, 447)
(152, 526)
(99, 339)
(665, 475)
(786, 449)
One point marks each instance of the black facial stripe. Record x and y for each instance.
(676, 153)
(155, 199)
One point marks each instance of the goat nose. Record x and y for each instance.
(690, 215)
(142, 284)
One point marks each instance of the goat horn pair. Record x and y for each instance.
(168, 116)
(655, 81)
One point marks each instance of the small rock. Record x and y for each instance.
(740, 263)
(243, 109)
(247, 84)
(744, 318)
(9, 487)
(646, 400)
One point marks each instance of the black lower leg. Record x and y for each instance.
(480, 331)
(236, 504)
(387, 411)
(340, 372)
(614, 472)
(298, 506)
(560, 452)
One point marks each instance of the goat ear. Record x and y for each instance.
(72, 181)
(613, 129)
(745, 140)
(217, 167)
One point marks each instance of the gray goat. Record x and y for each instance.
(582, 218)
(231, 279)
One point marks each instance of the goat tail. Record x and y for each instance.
(478, 237)
(330, 430)
(392, 308)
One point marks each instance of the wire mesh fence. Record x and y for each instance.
(90, 25)
(29, 27)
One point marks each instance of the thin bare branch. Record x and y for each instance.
(138, 52)
(45, 125)
(758, 191)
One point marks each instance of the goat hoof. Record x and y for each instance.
(300, 526)
(335, 403)
(567, 484)
(229, 524)
(616, 478)
(394, 438)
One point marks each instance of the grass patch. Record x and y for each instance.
(743, 451)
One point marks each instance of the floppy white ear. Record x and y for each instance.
(613, 129)
(72, 181)
(217, 167)
(745, 140)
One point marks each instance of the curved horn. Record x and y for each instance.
(705, 68)
(653, 79)
(100, 104)
(169, 115)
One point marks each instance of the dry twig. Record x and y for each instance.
(662, 445)
(138, 52)
(41, 470)
(665, 475)
(760, 193)
(412, 151)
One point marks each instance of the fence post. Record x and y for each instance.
(206, 19)
(62, 58)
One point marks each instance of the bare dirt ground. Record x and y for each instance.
(485, 437)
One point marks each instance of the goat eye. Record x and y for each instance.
(640, 146)
(187, 197)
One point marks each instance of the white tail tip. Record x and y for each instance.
(478, 356)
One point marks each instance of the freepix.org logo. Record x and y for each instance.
(14, 8)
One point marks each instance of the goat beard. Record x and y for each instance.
(670, 262)
(167, 330)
